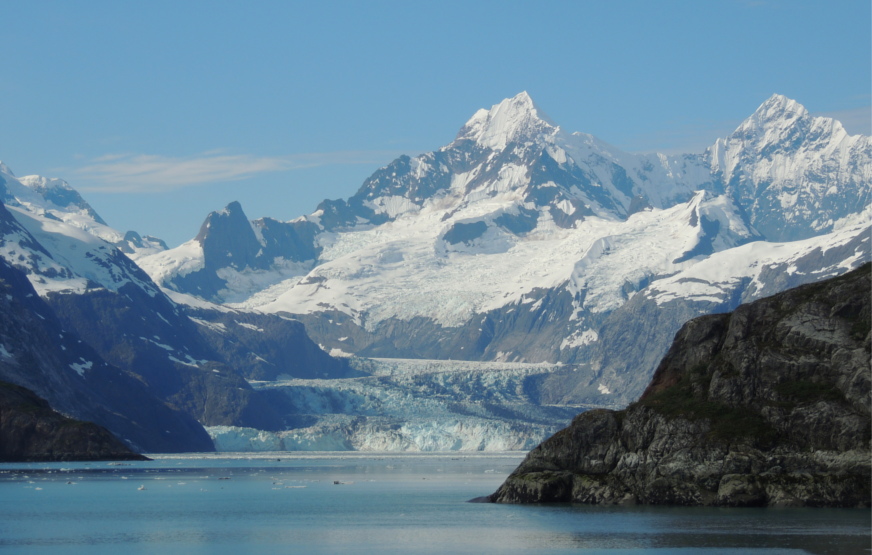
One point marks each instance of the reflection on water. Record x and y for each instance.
(366, 503)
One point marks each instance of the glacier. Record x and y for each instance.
(410, 405)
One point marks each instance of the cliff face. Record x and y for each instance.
(31, 431)
(39, 353)
(767, 405)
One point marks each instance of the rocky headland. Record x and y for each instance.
(31, 431)
(766, 406)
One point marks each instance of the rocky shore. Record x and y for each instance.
(766, 406)
(31, 431)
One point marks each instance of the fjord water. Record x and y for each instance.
(316, 503)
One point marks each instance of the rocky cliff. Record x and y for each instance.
(31, 431)
(766, 406)
(39, 353)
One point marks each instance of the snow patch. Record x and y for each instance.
(80, 367)
(189, 361)
(393, 206)
(706, 281)
(78, 259)
(161, 345)
(579, 339)
(214, 326)
(180, 261)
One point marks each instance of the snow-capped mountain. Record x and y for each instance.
(508, 170)
(94, 291)
(511, 172)
(568, 263)
(633, 338)
(517, 240)
(794, 174)
(60, 257)
(230, 257)
(55, 199)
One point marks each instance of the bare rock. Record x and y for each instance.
(31, 431)
(766, 406)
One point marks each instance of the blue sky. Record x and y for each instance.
(159, 112)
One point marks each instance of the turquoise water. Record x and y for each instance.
(381, 504)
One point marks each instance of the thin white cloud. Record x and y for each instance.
(108, 157)
(139, 173)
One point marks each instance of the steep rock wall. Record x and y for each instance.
(767, 405)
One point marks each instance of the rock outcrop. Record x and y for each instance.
(39, 353)
(766, 406)
(31, 431)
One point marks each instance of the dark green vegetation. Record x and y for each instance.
(688, 399)
(31, 431)
(727, 423)
(768, 405)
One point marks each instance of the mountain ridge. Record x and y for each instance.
(555, 212)
(514, 243)
(609, 183)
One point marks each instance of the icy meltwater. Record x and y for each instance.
(365, 503)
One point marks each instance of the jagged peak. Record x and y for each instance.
(507, 121)
(781, 120)
(778, 108)
(233, 208)
(5, 169)
(777, 111)
(231, 217)
(780, 105)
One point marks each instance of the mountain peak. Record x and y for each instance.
(60, 194)
(773, 120)
(5, 169)
(512, 119)
(228, 239)
(234, 208)
(42, 185)
(779, 106)
(230, 218)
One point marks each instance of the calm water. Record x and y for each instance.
(382, 504)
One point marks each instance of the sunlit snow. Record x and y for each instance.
(80, 367)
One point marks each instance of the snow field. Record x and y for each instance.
(381, 272)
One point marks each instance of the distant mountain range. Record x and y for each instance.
(517, 243)
(521, 242)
